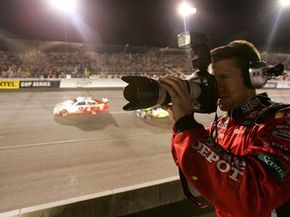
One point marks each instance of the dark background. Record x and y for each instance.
(147, 22)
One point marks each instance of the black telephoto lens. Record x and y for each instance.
(141, 92)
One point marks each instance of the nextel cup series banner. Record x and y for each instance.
(9, 84)
(39, 84)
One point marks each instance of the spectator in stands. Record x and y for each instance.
(50, 74)
(241, 163)
(62, 75)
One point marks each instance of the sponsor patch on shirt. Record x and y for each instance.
(277, 145)
(285, 127)
(250, 105)
(225, 162)
(279, 115)
(273, 165)
(283, 134)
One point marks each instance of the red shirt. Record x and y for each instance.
(244, 171)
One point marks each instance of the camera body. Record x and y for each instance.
(144, 92)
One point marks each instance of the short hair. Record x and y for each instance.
(243, 52)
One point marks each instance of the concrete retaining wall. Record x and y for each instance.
(117, 204)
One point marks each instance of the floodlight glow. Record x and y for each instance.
(67, 6)
(284, 3)
(186, 9)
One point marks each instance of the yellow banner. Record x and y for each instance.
(9, 84)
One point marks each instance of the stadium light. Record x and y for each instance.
(68, 9)
(284, 3)
(66, 6)
(185, 9)
(281, 5)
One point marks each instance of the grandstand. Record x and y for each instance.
(42, 59)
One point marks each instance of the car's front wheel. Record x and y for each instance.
(63, 113)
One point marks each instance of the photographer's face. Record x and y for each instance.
(232, 91)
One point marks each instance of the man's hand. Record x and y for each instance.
(180, 96)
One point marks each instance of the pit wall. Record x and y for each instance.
(117, 202)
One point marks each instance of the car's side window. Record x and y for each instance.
(81, 103)
(91, 103)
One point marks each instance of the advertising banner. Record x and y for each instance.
(283, 85)
(39, 84)
(92, 83)
(270, 85)
(9, 84)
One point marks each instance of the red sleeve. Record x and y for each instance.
(242, 186)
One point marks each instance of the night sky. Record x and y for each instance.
(147, 22)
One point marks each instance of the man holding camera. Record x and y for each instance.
(241, 163)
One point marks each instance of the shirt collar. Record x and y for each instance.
(258, 101)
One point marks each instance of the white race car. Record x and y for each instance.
(81, 105)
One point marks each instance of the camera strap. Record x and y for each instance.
(186, 190)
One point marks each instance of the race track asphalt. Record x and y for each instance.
(44, 158)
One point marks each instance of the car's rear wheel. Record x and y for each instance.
(94, 111)
(63, 113)
(148, 116)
